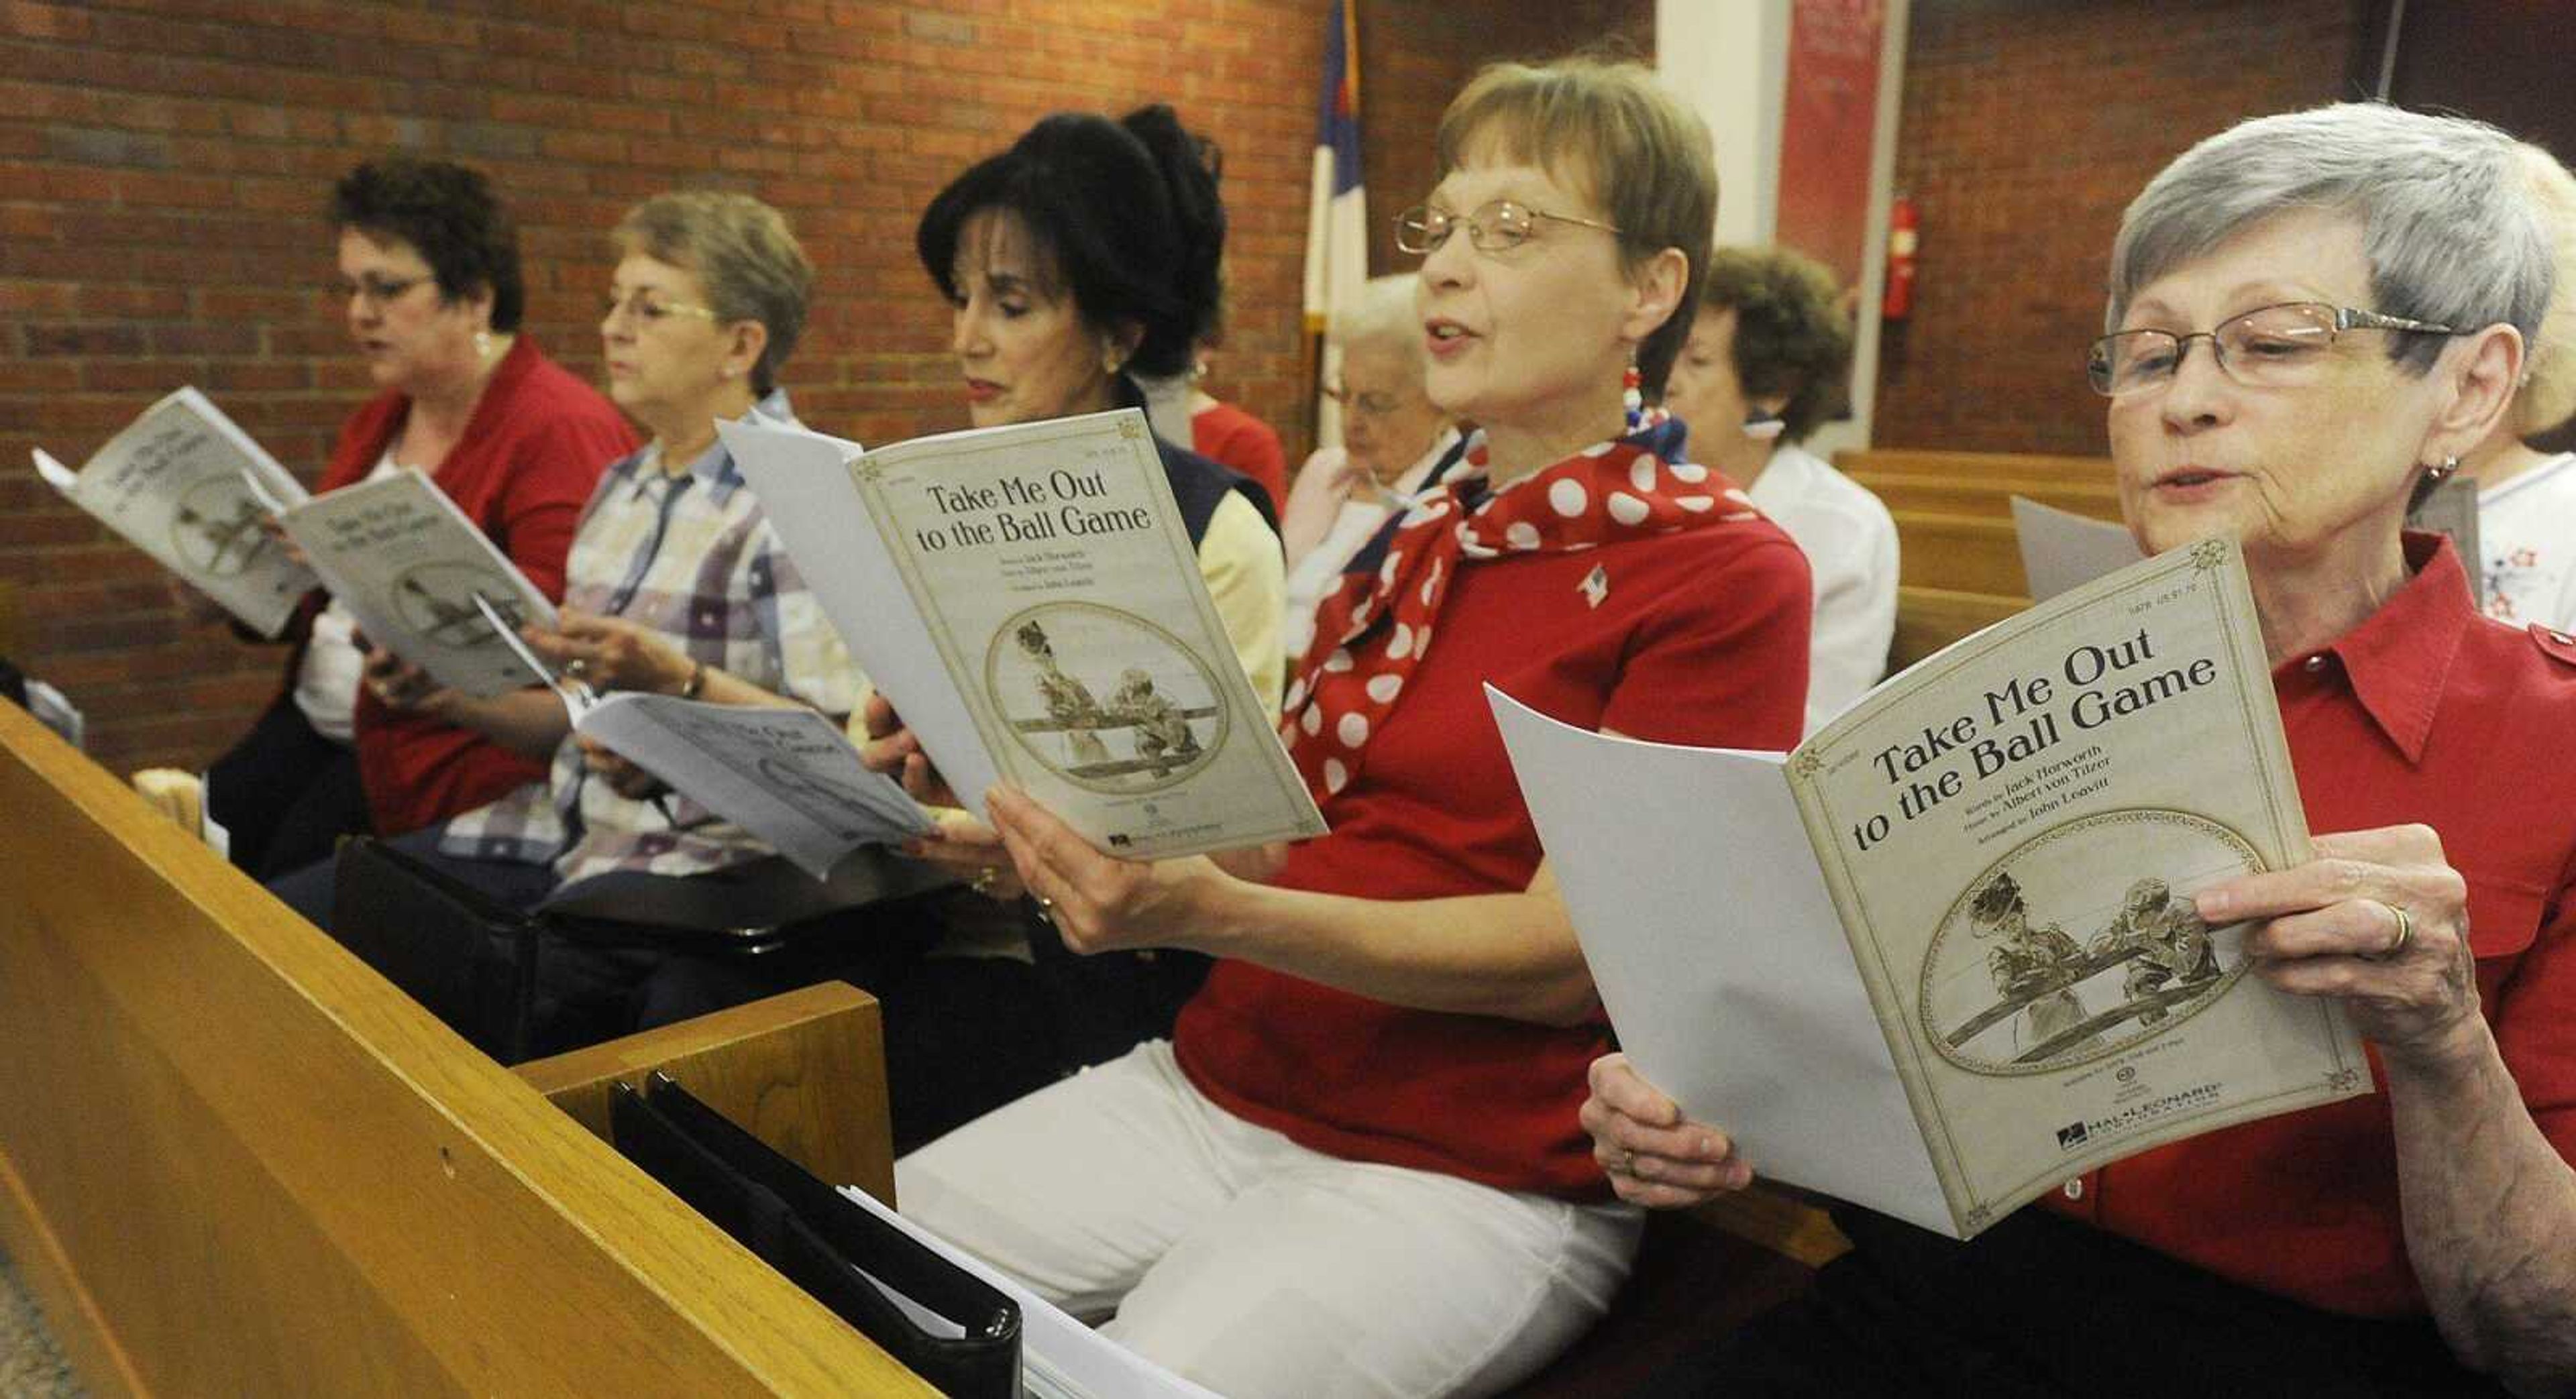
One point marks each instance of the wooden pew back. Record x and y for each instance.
(1959, 561)
(235, 1161)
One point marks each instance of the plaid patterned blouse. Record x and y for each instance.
(691, 557)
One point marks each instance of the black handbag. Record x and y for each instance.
(943, 1323)
(465, 957)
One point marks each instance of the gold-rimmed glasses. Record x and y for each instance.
(647, 309)
(2282, 346)
(1494, 227)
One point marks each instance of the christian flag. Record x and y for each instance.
(1337, 211)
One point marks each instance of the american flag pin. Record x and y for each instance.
(1595, 585)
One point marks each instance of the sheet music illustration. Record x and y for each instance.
(1148, 726)
(2008, 989)
(215, 528)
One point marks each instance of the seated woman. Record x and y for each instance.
(1354, 1169)
(2312, 316)
(1078, 260)
(1766, 363)
(1391, 438)
(429, 287)
(677, 583)
(2527, 496)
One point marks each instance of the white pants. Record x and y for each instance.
(1253, 1265)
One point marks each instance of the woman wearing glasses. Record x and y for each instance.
(2312, 316)
(1392, 435)
(676, 585)
(429, 285)
(1354, 1169)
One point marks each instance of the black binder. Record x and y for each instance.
(848, 1259)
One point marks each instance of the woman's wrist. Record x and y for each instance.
(2451, 1061)
(1224, 913)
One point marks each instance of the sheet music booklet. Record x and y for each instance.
(1942, 956)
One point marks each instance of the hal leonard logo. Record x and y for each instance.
(2070, 1136)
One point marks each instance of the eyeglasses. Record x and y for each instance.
(644, 309)
(1493, 228)
(2269, 347)
(379, 290)
(1373, 405)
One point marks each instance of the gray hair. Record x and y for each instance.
(2450, 235)
(2549, 377)
(743, 253)
(1382, 309)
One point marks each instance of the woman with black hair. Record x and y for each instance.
(428, 281)
(1076, 263)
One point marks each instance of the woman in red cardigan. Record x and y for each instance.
(429, 277)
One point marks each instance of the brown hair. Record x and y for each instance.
(1607, 128)
(743, 253)
(1791, 336)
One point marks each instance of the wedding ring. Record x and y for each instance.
(2405, 933)
(578, 668)
(1046, 907)
(1626, 1165)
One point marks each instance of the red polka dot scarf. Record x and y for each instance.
(1371, 633)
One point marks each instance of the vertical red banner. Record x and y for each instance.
(1826, 125)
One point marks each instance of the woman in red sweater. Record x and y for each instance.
(429, 282)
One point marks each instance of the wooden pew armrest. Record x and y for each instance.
(803, 1071)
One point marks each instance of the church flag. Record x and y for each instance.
(1337, 210)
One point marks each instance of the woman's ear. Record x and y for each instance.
(476, 306)
(1656, 286)
(2480, 372)
(1118, 345)
(750, 341)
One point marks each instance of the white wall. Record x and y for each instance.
(1730, 59)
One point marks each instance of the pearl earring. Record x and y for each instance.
(2439, 474)
(482, 344)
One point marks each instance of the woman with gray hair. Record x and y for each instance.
(1392, 435)
(2365, 280)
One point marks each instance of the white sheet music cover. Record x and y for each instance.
(188, 487)
(408, 565)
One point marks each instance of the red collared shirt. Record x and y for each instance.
(2429, 713)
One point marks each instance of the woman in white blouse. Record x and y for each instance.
(1767, 362)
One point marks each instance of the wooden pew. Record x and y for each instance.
(1960, 563)
(235, 1161)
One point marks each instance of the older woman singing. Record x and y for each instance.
(2312, 317)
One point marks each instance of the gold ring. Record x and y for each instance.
(578, 668)
(2405, 932)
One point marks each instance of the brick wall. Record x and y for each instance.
(163, 163)
(2028, 125)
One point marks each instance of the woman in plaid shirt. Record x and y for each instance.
(676, 584)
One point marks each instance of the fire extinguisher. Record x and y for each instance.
(1902, 234)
